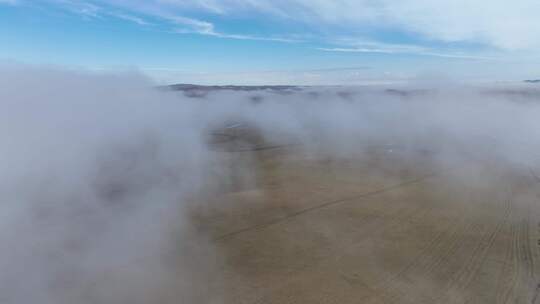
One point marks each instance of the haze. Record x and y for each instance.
(269, 152)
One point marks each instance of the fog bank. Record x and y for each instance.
(99, 172)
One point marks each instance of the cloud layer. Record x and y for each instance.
(98, 172)
(496, 22)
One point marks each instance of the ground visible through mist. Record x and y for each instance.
(117, 191)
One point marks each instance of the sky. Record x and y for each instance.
(277, 41)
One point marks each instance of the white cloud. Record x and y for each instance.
(165, 10)
(386, 48)
(131, 18)
(83, 8)
(375, 47)
(504, 24)
(195, 25)
(499, 23)
(210, 31)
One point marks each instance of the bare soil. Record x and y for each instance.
(386, 226)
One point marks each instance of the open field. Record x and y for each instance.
(388, 226)
(263, 195)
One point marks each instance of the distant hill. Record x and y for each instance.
(201, 91)
(194, 90)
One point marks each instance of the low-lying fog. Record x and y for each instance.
(96, 171)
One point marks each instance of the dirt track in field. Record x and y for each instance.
(382, 228)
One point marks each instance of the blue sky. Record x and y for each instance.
(264, 41)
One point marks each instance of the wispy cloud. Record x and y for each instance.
(499, 23)
(132, 13)
(131, 18)
(388, 48)
(191, 24)
(211, 32)
(86, 9)
(374, 47)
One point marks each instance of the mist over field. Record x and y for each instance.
(100, 173)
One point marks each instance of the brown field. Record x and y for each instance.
(385, 226)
